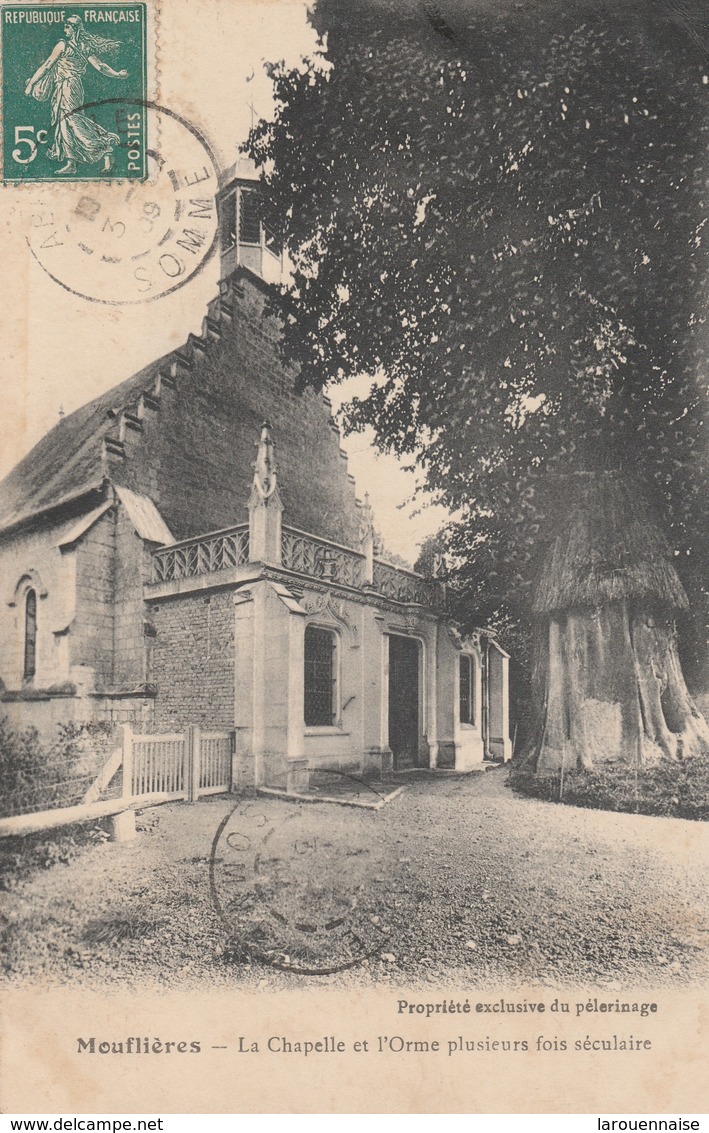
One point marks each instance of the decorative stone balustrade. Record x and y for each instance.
(405, 586)
(317, 558)
(302, 554)
(207, 554)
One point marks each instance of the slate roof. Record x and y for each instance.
(68, 461)
(144, 516)
(182, 431)
(84, 524)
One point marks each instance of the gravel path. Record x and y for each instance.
(456, 880)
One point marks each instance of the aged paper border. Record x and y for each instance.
(39, 1065)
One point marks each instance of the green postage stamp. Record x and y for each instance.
(74, 92)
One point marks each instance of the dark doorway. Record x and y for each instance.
(404, 701)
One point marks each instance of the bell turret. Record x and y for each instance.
(243, 237)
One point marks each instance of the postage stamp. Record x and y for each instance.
(74, 85)
(124, 243)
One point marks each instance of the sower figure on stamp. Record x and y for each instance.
(76, 136)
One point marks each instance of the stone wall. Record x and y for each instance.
(49, 713)
(108, 634)
(132, 568)
(193, 661)
(90, 624)
(33, 559)
(194, 453)
(91, 642)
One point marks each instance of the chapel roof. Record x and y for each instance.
(182, 432)
(68, 461)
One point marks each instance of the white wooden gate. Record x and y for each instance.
(155, 768)
(215, 762)
(176, 765)
(157, 765)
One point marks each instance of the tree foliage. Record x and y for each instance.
(499, 212)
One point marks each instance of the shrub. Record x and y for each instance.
(22, 857)
(35, 776)
(22, 761)
(676, 789)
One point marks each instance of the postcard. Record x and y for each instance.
(353, 615)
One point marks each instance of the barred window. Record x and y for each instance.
(30, 662)
(467, 689)
(319, 677)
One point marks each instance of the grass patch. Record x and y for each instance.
(22, 857)
(676, 790)
(116, 929)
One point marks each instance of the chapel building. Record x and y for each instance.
(188, 550)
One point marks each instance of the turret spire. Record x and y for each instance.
(265, 465)
(265, 506)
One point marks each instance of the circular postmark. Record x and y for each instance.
(126, 242)
(302, 886)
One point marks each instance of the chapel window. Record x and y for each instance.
(467, 689)
(320, 677)
(30, 660)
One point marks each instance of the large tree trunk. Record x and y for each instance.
(609, 688)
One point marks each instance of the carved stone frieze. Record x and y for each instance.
(324, 607)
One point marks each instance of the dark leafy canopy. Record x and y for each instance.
(500, 211)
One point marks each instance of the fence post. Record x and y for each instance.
(193, 762)
(233, 777)
(127, 761)
(123, 825)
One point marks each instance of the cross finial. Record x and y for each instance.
(366, 525)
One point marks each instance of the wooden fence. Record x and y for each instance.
(155, 765)
(179, 765)
(154, 768)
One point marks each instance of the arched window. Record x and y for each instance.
(30, 661)
(320, 677)
(467, 689)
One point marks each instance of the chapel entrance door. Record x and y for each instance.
(403, 701)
